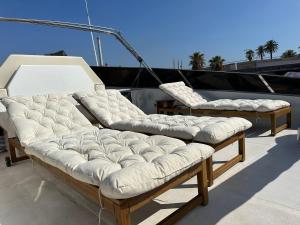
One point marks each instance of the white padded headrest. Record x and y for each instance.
(43, 116)
(183, 94)
(43, 79)
(109, 106)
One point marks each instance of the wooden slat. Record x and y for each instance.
(182, 211)
(228, 141)
(280, 128)
(230, 163)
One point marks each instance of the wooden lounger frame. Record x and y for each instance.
(167, 107)
(123, 208)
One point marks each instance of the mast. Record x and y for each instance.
(101, 62)
(92, 34)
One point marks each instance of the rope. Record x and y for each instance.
(136, 79)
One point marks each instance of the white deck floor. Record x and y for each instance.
(265, 189)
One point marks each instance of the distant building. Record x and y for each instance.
(277, 66)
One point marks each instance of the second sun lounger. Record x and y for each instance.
(115, 111)
(195, 104)
(121, 171)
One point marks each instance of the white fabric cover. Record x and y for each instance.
(115, 111)
(183, 93)
(123, 164)
(43, 79)
(43, 116)
(192, 99)
(257, 105)
(205, 129)
(109, 106)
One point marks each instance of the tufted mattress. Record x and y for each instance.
(42, 116)
(256, 105)
(205, 129)
(115, 111)
(122, 164)
(192, 99)
(183, 94)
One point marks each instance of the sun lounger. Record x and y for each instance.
(120, 170)
(115, 111)
(194, 104)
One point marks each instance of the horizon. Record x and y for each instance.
(160, 31)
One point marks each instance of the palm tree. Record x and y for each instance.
(216, 63)
(271, 46)
(197, 61)
(249, 54)
(288, 53)
(260, 52)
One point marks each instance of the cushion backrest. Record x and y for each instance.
(109, 106)
(183, 93)
(43, 116)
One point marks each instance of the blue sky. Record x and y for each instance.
(160, 30)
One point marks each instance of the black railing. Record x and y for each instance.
(208, 80)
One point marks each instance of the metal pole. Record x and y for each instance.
(92, 35)
(85, 27)
(99, 45)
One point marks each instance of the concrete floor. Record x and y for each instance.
(262, 190)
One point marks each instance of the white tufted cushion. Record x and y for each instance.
(44, 116)
(182, 93)
(211, 130)
(190, 98)
(106, 105)
(123, 164)
(257, 105)
(110, 106)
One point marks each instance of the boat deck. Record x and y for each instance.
(262, 190)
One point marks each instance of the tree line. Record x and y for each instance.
(197, 60)
(269, 47)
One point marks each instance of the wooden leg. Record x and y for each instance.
(157, 109)
(14, 144)
(5, 135)
(273, 125)
(122, 216)
(242, 148)
(12, 153)
(202, 184)
(289, 120)
(209, 167)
